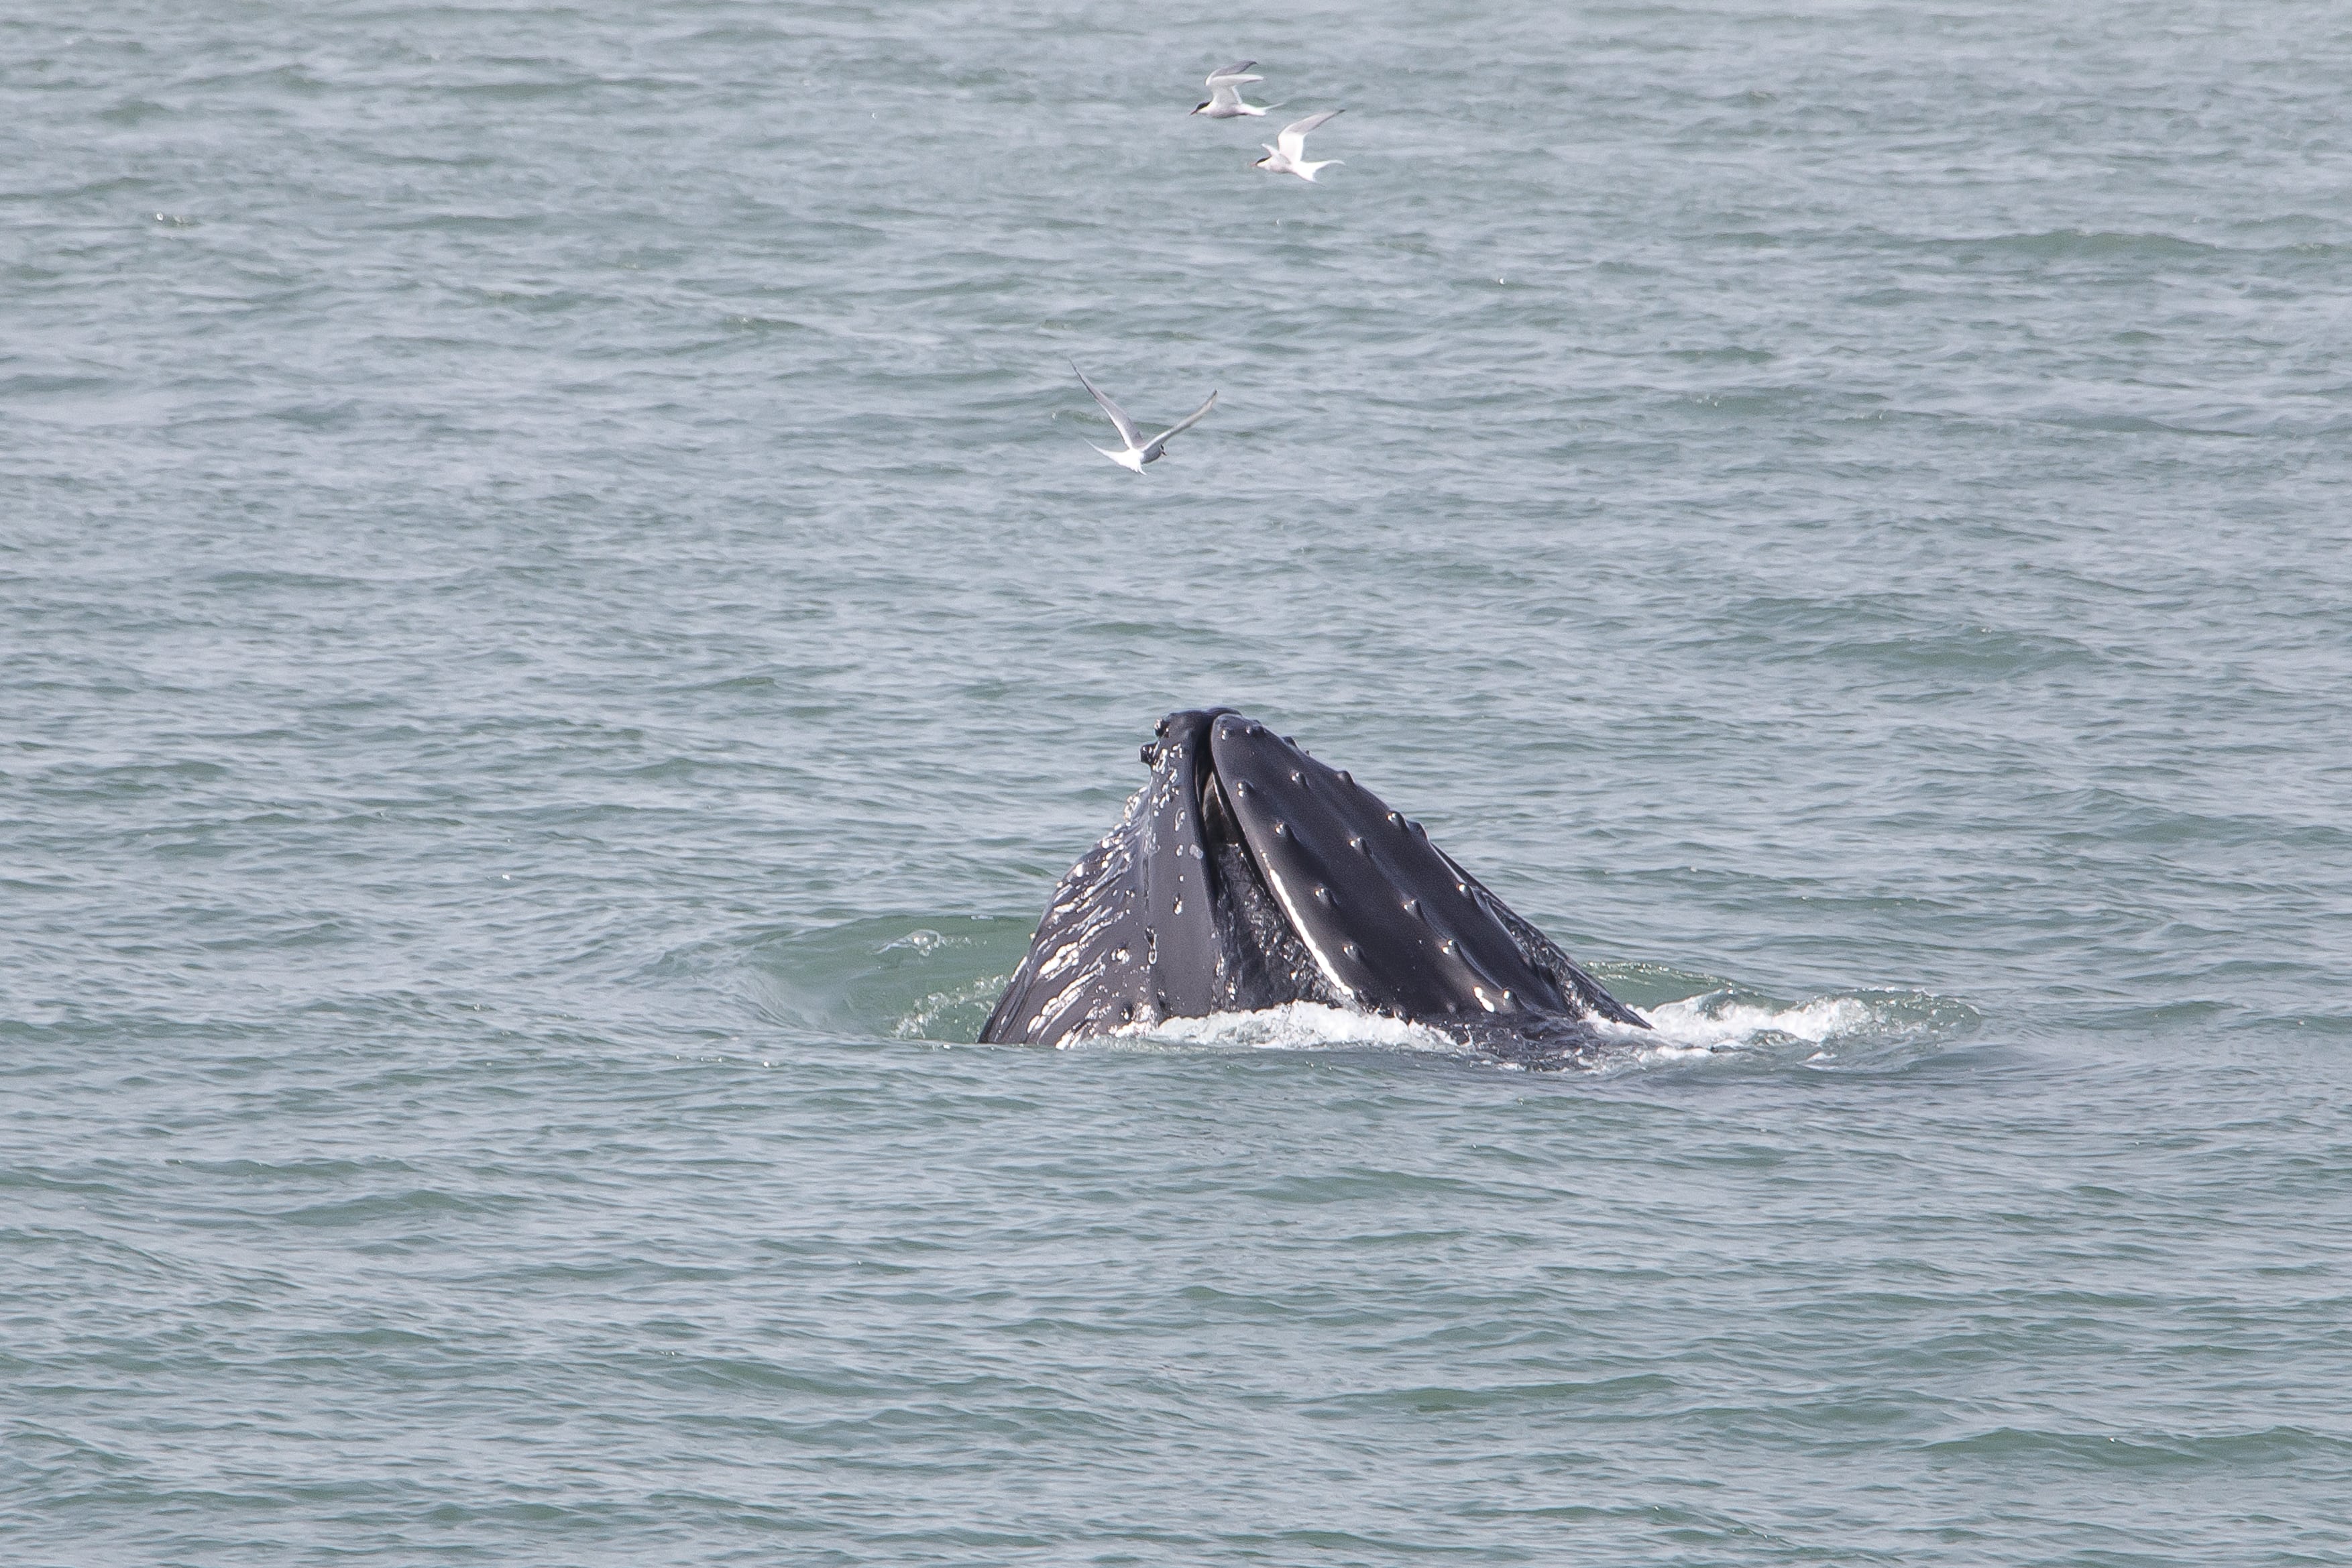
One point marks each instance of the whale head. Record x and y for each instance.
(1248, 874)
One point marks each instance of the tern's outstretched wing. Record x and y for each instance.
(1232, 75)
(1294, 135)
(1224, 95)
(1161, 440)
(1126, 430)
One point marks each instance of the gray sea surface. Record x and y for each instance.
(557, 624)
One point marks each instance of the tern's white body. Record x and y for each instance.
(1225, 93)
(1288, 154)
(1136, 451)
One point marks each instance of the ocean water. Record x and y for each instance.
(557, 624)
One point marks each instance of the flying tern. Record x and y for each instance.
(1138, 452)
(1288, 155)
(1225, 93)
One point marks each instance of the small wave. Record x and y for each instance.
(922, 939)
(2083, 244)
(893, 976)
(954, 1015)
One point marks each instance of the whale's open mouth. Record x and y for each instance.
(1247, 875)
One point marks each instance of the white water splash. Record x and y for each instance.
(1709, 1025)
(1293, 1026)
(1712, 1020)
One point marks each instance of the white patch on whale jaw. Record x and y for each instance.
(1274, 884)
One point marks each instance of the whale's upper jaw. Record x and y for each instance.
(1246, 874)
(1398, 926)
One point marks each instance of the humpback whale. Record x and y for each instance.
(1245, 874)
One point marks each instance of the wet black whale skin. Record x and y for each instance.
(1246, 874)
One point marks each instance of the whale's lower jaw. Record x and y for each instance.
(1245, 875)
